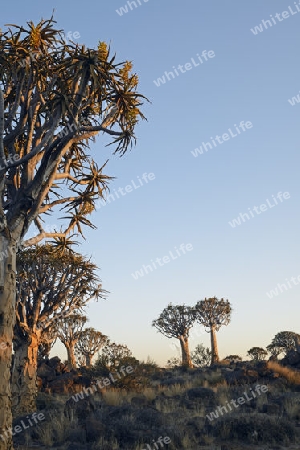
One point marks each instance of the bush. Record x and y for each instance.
(201, 356)
(256, 428)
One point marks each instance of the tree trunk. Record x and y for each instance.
(88, 359)
(24, 376)
(71, 355)
(185, 351)
(7, 320)
(214, 346)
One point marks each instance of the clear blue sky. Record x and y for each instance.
(192, 199)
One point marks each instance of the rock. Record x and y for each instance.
(61, 385)
(46, 372)
(94, 430)
(172, 381)
(54, 362)
(82, 408)
(262, 368)
(39, 382)
(252, 374)
(274, 375)
(238, 376)
(74, 446)
(139, 401)
(293, 358)
(271, 409)
(205, 395)
(55, 377)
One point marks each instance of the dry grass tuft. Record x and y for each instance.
(292, 376)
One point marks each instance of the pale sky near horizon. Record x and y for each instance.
(191, 200)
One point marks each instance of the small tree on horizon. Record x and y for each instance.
(115, 354)
(89, 342)
(213, 313)
(257, 353)
(233, 358)
(175, 321)
(69, 331)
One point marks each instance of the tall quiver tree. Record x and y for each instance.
(69, 331)
(213, 313)
(90, 341)
(57, 98)
(175, 321)
(50, 286)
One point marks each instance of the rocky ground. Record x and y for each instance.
(176, 403)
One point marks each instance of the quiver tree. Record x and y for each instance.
(283, 342)
(54, 99)
(213, 313)
(233, 358)
(50, 286)
(89, 342)
(175, 321)
(257, 353)
(115, 355)
(69, 331)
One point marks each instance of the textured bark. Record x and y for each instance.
(71, 355)
(7, 318)
(214, 346)
(24, 376)
(185, 352)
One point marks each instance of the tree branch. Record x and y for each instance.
(36, 239)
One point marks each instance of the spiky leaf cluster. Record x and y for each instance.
(55, 97)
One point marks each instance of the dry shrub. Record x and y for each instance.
(254, 428)
(291, 375)
(116, 397)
